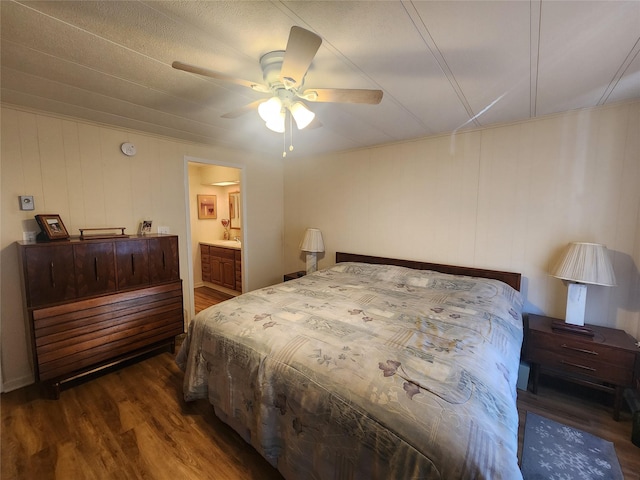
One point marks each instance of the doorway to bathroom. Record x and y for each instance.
(216, 234)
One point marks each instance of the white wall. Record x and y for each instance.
(75, 169)
(508, 198)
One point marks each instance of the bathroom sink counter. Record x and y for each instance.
(234, 244)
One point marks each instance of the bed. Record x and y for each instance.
(373, 368)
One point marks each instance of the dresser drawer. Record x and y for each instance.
(226, 253)
(566, 345)
(71, 337)
(206, 271)
(582, 365)
(560, 352)
(238, 262)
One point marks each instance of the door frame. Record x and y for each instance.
(207, 161)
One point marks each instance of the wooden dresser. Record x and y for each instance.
(605, 361)
(92, 304)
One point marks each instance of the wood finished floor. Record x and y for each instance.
(134, 424)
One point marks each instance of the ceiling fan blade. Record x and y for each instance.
(342, 95)
(315, 123)
(246, 109)
(301, 48)
(219, 76)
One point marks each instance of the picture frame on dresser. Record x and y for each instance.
(145, 227)
(52, 227)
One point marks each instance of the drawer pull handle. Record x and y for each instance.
(95, 268)
(584, 367)
(582, 350)
(52, 275)
(133, 264)
(164, 263)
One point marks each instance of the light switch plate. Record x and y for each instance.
(163, 230)
(26, 202)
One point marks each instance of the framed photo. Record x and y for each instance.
(52, 227)
(207, 207)
(145, 227)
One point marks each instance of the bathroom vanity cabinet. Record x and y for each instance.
(221, 266)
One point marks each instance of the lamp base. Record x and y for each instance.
(563, 327)
(576, 303)
(312, 262)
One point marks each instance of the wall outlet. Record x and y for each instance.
(163, 230)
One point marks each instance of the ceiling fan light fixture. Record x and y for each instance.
(284, 72)
(276, 123)
(270, 110)
(301, 114)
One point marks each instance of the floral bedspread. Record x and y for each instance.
(366, 371)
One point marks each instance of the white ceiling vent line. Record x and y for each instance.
(424, 33)
(618, 75)
(534, 52)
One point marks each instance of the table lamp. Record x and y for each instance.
(582, 263)
(312, 244)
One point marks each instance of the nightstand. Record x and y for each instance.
(294, 275)
(604, 362)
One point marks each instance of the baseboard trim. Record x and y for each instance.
(12, 385)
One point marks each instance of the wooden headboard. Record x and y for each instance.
(510, 278)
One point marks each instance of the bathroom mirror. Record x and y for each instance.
(234, 210)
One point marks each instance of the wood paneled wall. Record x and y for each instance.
(508, 198)
(76, 169)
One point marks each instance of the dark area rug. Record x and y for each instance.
(552, 450)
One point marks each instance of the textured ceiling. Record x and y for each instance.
(442, 66)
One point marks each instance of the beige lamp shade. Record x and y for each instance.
(586, 263)
(312, 244)
(581, 264)
(312, 241)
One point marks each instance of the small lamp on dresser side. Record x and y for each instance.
(312, 244)
(582, 263)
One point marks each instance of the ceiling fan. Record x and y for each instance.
(283, 72)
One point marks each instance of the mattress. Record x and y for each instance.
(366, 371)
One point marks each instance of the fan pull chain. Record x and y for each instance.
(284, 137)
(284, 143)
(291, 132)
